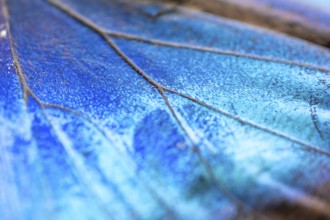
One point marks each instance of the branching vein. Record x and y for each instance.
(27, 92)
(213, 50)
(106, 35)
(161, 91)
(122, 35)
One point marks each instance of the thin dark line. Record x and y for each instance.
(103, 34)
(154, 83)
(313, 113)
(27, 92)
(64, 108)
(87, 22)
(158, 86)
(21, 78)
(162, 88)
(204, 162)
(213, 50)
(17, 66)
(252, 124)
(24, 86)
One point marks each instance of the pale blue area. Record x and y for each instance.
(324, 4)
(315, 12)
(125, 156)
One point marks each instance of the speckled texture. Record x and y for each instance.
(124, 155)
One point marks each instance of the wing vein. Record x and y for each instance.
(250, 123)
(105, 35)
(213, 50)
(108, 38)
(155, 84)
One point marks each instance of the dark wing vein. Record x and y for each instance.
(160, 88)
(239, 203)
(105, 35)
(213, 50)
(27, 92)
(252, 124)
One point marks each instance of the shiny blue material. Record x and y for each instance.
(108, 146)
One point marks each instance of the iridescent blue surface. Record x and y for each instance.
(117, 152)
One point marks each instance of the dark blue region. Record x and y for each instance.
(77, 69)
(191, 27)
(162, 150)
(116, 151)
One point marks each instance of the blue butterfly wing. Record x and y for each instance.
(183, 116)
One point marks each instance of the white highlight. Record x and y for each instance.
(3, 34)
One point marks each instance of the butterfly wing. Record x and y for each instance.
(112, 114)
